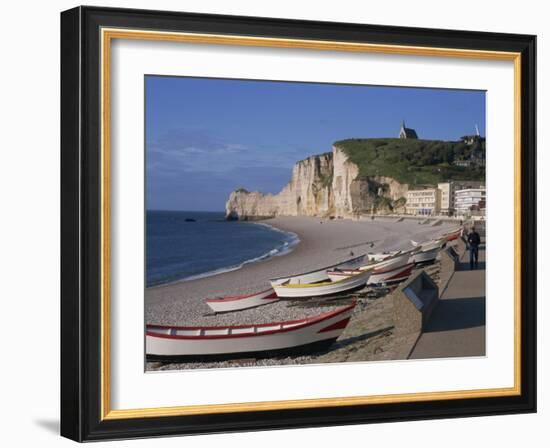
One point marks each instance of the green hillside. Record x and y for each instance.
(414, 162)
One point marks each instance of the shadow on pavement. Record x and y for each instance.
(456, 314)
(465, 266)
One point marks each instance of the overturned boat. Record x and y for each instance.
(318, 275)
(306, 335)
(242, 302)
(327, 288)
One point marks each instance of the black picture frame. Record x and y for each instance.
(81, 224)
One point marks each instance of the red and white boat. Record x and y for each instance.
(453, 235)
(270, 339)
(243, 302)
(319, 275)
(379, 275)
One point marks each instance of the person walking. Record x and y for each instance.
(473, 243)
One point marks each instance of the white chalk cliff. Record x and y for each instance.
(322, 185)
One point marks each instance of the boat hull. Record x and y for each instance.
(380, 256)
(400, 259)
(424, 256)
(246, 341)
(348, 284)
(386, 276)
(451, 236)
(316, 276)
(238, 303)
(309, 349)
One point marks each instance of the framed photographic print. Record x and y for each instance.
(273, 223)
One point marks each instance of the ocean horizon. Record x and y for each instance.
(185, 245)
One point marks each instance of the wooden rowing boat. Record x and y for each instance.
(243, 302)
(439, 242)
(319, 275)
(378, 276)
(424, 255)
(453, 235)
(259, 340)
(400, 258)
(327, 288)
(427, 251)
(380, 256)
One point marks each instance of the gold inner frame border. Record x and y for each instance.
(107, 35)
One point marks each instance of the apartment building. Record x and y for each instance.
(425, 202)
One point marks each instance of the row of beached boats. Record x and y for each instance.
(304, 335)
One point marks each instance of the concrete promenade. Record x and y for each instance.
(457, 325)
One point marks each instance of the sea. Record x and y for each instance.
(185, 245)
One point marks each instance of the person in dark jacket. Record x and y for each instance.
(473, 243)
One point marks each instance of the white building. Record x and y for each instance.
(423, 202)
(469, 199)
(448, 193)
(446, 203)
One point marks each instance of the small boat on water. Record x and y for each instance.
(270, 339)
(327, 288)
(319, 275)
(378, 276)
(242, 302)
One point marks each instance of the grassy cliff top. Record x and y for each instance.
(413, 162)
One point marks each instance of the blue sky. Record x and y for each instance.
(207, 137)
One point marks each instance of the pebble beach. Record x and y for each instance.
(322, 243)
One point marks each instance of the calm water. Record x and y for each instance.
(178, 249)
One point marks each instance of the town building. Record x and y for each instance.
(448, 190)
(425, 202)
(406, 132)
(446, 202)
(470, 200)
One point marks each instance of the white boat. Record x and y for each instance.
(327, 288)
(400, 258)
(380, 275)
(319, 275)
(259, 340)
(431, 244)
(243, 302)
(424, 256)
(380, 256)
(427, 251)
